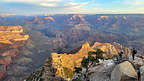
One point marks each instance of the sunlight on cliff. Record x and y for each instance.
(10, 34)
(69, 61)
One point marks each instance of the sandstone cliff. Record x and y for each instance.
(69, 61)
(6, 15)
(12, 34)
(78, 22)
(75, 19)
(12, 38)
(45, 73)
(40, 20)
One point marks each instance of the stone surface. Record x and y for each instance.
(11, 34)
(102, 72)
(124, 72)
(40, 20)
(12, 38)
(137, 62)
(77, 19)
(45, 73)
(142, 73)
(61, 61)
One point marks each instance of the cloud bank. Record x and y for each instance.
(72, 6)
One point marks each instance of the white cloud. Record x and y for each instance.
(74, 5)
(27, 1)
(120, 11)
(48, 4)
(102, 11)
(131, 2)
(134, 2)
(45, 3)
(32, 1)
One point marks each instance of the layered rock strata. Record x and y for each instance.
(69, 61)
(12, 39)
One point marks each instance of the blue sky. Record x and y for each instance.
(31, 7)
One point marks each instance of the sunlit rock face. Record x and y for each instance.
(40, 20)
(61, 61)
(12, 34)
(6, 15)
(103, 17)
(12, 38)
(78, 22)
(124, 72)
(77, 19)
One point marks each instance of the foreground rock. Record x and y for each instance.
(102, 72)
(142, 73)
(69, 61)
(138, 61)
(124, 72)
(45, 73)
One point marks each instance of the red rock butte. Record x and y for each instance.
(60, 61)
(11, 34)
(11, 39)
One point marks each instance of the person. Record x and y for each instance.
(120, 55)
(134, 51)
(139, 74)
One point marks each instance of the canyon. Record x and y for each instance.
(61, 67)
(27, 41)
(12, 39)
(61, 61)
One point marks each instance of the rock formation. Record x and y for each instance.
(60, 67)
(142, 73)
(124, 72)
(12, 34)
(77, 19)
(61, 61)
(12, 38)
(6, 15)
(102, 72)
(103, 17)
(40, 20)
(45, 73)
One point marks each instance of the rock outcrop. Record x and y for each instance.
(61, 61)
(102, 72)
(12, 38)
(78, 22)
(12, 34)
(142, 73)
(77, 19)
(6, 15)
(124, 72)
(45, 73)
(103, 17)
(40, 20)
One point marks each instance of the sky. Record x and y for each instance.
(35, 7)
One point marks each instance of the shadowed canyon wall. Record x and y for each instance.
(12, 39)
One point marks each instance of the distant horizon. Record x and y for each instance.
(9, 14)
(35, 7)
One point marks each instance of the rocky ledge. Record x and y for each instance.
(12, 39)
(69, 61)
(65, 63)
(12, 34)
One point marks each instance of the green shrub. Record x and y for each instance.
(77, 79)
(78, 69)
(68, 72)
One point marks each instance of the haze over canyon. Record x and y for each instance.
(27, 41)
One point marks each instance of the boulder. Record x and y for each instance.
(124, 72)
(101, 72)
(142, 73)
